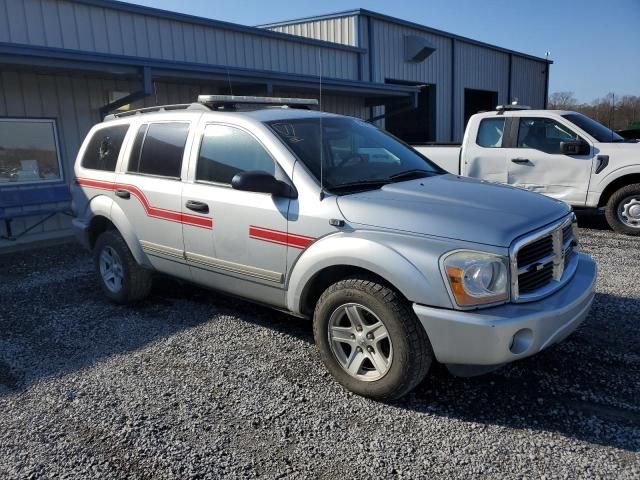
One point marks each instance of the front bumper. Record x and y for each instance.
(502, 334)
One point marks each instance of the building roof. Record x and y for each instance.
(183, 17)
(406, 23)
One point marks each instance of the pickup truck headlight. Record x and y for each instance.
(476, 278)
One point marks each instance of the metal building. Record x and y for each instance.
(64, 64)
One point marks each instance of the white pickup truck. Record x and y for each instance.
(562, 154)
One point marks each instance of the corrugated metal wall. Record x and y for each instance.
(481, 69)
(389, 63)
(528, 82)
(74, 102)
(76, 26)
(476, 67)
(338, 30)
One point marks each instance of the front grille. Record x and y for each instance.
(535, 251)
(532, 281)
(540, 262)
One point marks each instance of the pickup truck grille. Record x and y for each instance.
(539, 262)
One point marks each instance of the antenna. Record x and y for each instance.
(612, 117)
(229, 80)
(321, 139)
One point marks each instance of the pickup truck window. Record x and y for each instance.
(490, 132)
(226, 151)
(352, 152)
(104, 147)
(543, 134)
(159, 151)
(593, 128)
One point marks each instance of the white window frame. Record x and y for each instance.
(56, 141)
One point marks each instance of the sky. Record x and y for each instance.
(595, 44)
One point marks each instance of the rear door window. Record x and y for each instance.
(158, 149)
(104, 147)
(491, 132)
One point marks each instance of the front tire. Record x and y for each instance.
(370, 339)
(122, 280)
(623, 210)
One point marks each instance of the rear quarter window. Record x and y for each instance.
(104, 147)
(491, 132)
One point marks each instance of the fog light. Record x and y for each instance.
(521, 342)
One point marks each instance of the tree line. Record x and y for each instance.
(618, 112)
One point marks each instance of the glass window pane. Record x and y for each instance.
(28, 151)
(491, 132)
(226, 151)
(345, 150)
(104, 147)
(543, 134)
(134, 156)
(163, 149)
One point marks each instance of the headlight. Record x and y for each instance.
(476, 278)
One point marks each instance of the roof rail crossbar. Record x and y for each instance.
(160, 108)
(231, 101)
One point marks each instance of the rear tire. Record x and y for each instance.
(623, 210)
(121, 278)
(390, 345)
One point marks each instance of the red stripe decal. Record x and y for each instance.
(281, 238)
(154, 212)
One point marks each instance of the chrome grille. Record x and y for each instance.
(539, 262)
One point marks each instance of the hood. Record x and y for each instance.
(453, 207)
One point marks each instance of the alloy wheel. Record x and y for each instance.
(360, 342)
(111, 269)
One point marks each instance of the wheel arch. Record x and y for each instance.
(338, 257)
(105, 214)
(616, 184)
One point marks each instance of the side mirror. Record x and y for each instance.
(575, 147)
(262, 182)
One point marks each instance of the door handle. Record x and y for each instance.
(197, 206)
(521, 160)
(123, 194)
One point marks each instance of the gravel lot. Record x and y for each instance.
(194, 384)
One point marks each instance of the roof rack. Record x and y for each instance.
(511, 107)
(230, 102)
(161, 108)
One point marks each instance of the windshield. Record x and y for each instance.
(593, 128)
(355, 154)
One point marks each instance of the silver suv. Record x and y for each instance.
(325, 216)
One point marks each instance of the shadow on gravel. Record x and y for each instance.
(586, 387)
(54, 320)
(592, 219)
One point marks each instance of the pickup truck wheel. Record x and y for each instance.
(121, 278)
(623, 210)
(370, 339)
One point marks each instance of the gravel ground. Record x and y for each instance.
(194, 384)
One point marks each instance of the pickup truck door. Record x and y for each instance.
(534, 161)
(245, 253)
(483, 156)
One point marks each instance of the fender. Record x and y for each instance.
(371, 254)
(597, 189)
(105, 206)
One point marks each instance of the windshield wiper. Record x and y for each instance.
(411, 174)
